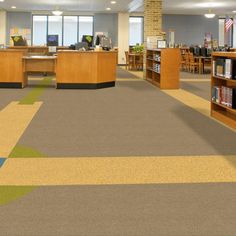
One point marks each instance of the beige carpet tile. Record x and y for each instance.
(123, 170)
(14, 119)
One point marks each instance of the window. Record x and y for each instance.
(135, 30)
(55, 27)
(70, 30)
(39, 30)
(85, 26)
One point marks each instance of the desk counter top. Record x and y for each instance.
(39, 57)
(76, 51)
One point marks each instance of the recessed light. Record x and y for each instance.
(108, 8)
(1, 0)
(113, 2)
(234, 11)
(13, 7)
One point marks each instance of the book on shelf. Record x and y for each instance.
(214, 66)
(157, 68)
(219, 67)
(224, 67)
(224, 95)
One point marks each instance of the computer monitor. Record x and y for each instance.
(19, 41)
(81, 45)
(52, 40)
(88, 39)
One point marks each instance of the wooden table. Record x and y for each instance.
(201, 60)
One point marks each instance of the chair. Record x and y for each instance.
(129, 61)
(183, 62)
(139, 62)
(194, 66)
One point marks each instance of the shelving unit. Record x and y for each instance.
(219, 111)
(162, 67)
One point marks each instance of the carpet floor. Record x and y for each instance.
(201, 89)
(132, 210)
(133, 119)
(121, 121)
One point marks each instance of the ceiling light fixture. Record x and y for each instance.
(108, 8)
(57, 12)
(113, 2)
(209, 14)
(13, 7)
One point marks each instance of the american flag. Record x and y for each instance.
(228, 23)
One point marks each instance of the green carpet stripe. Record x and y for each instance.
(33, 96)
(11, 193)
(25, 152)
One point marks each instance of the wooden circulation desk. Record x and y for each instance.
(89, 69)
(42, 50)
(39, 64)
(73, 69)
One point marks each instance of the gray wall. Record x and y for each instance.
(190, 29)
(104, 22)
(18, 20)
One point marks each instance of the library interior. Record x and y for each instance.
(118, 118)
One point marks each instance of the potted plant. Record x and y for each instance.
(138, 49)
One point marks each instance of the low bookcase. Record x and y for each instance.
(223, 88)
(163, 67)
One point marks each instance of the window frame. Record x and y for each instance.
(47, 15)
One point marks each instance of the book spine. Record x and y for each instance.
(228, 68)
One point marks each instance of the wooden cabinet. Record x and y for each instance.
(223, 87)
(162, 67)
(11, 69)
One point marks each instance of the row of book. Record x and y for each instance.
(224, 95)
(224, 67)
(157, 68)
(157, 57)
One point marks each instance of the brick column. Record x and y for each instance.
(152, 22)
(152, 18)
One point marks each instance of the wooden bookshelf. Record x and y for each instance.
(162, 67)
(219, 111)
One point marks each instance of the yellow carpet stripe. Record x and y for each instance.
(129, 79)
(14, 119)
(195, 102)
(195, 80)
(191, 100)
(123, 170)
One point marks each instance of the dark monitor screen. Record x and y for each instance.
(197, 51)
(81, 45)
(52, 40)
(88, 39)
(19, 41)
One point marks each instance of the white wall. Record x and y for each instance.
(3, 25)
(123, 36)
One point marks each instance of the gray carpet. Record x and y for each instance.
(201, 89)
(132, 119)
(9, 95)
(188, 75)
(141, 210)
(124, 74)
